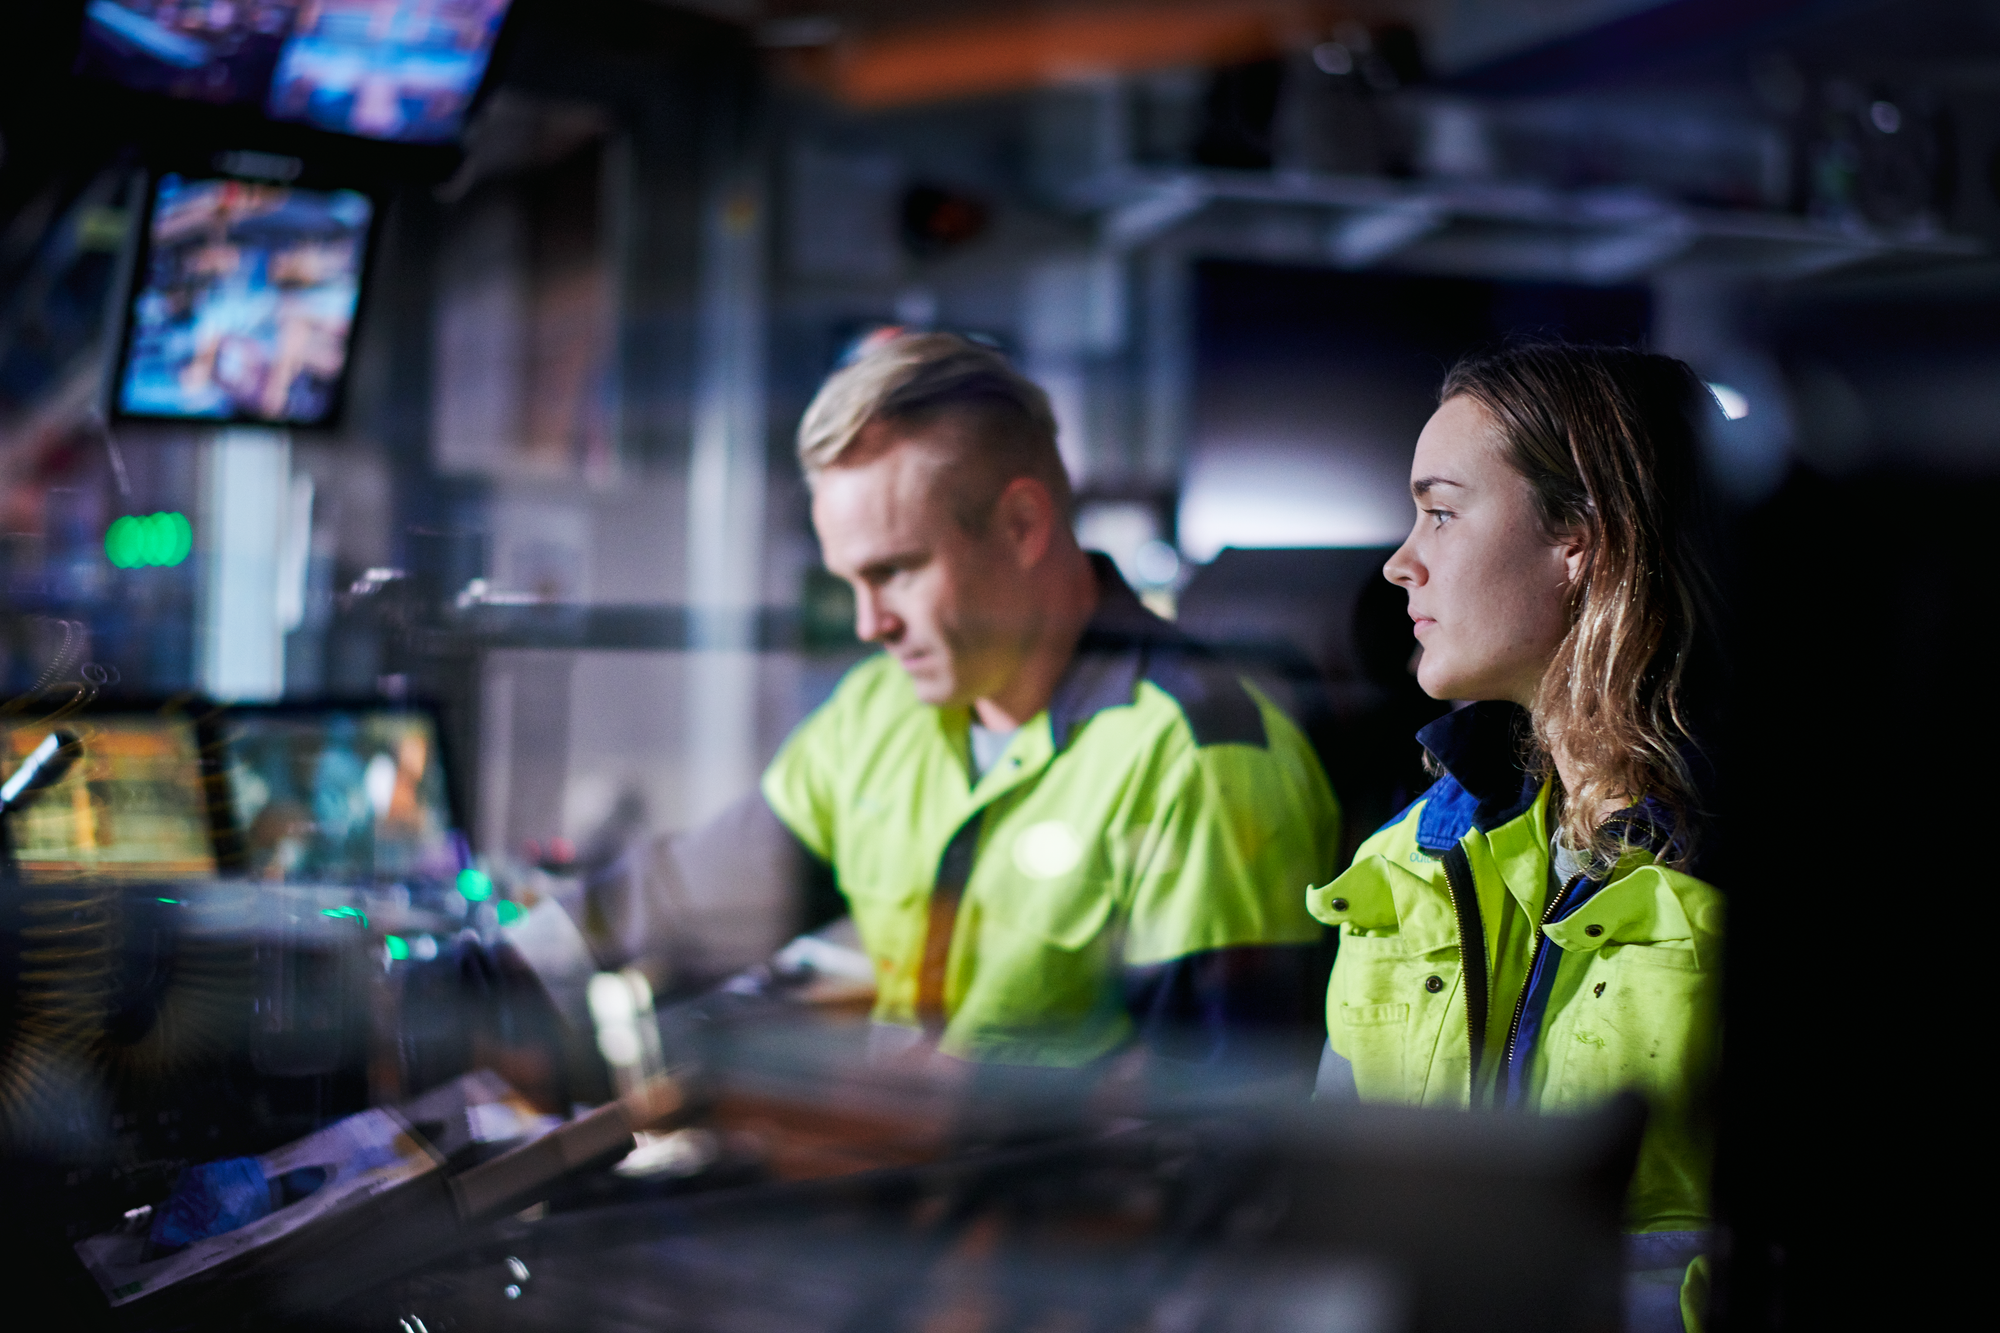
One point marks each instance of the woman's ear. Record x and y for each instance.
(1575, 547)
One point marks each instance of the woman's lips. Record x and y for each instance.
(1420, 624)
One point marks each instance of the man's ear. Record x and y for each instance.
(1025, 518)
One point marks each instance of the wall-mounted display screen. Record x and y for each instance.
(133, 807)
(244, 308)
(210, 52)
(399, 70)
(340, 795)
(404, 70)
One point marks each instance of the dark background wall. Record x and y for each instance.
(1312, 384)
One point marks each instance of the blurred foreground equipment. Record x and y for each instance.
(352, 1199)
(805, 1191)
(1328, 1219)
(762, 1166)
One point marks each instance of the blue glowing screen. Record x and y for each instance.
(246, 306)
(398, 70)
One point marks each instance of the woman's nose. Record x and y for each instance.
(1402, 568)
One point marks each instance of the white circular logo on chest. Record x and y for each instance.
(1047, 850)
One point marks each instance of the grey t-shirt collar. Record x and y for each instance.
(987, 747)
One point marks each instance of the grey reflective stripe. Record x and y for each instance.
(1336, 1078)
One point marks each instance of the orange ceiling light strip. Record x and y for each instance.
(996, 55)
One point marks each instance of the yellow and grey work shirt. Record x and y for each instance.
(1133, 862)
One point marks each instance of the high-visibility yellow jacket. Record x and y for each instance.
(1135, 859)
(1466, 978)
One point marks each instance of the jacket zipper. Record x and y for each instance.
(1534, 960)
(1471, 952)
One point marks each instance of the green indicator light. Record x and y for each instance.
(399, 948)
(172, 901)
(510, 911)
(122, 542)
(476, 885)
(182, 541)
(135, 541)
(158, 541)
(339, 913)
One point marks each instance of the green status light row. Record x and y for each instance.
(139, 540)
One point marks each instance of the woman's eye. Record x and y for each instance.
(1438, 516)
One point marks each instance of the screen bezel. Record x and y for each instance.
(140, 275)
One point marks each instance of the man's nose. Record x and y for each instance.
(873, 623)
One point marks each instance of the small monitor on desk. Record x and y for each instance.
(340, 794)
(134, 806)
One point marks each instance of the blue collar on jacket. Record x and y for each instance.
(1484, 784)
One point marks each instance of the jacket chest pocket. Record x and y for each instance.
(1045, 884)
(1384, 1013)
(1634, 1016)
(1069, 913)
(1036, 946)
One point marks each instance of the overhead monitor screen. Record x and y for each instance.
(207, 50)
(404, 70)
(246, 304)
(349, 796)
(400, 70)
(133, 807)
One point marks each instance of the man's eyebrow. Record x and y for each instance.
(884, 564)
(1422, 485)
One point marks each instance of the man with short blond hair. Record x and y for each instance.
(917, 376)
(1059, 824)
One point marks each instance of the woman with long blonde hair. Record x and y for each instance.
(1527, 934)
